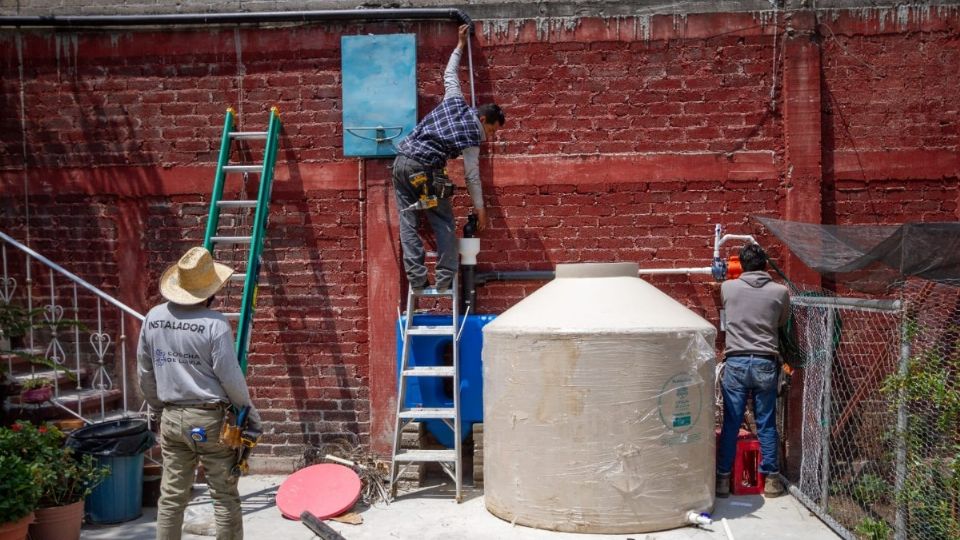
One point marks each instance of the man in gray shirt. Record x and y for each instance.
(451, 129)
(189, 370)
(755, 309)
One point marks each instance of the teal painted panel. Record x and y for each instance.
(379, 92)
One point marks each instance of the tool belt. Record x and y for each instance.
(230, 432)
(206, 406)
(432, 183)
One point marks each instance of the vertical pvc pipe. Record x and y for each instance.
(473, 93)
(900, 519)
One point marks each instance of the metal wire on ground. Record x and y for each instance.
(373, 472)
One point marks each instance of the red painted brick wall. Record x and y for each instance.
(626, 140)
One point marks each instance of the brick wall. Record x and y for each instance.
(626, 140)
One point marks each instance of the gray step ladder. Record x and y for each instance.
(449, 459)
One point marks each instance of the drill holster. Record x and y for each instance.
(230, 432)
(430, 183)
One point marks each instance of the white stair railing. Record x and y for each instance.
(54, 338)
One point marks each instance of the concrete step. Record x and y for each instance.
(63, 380)
(86, 402)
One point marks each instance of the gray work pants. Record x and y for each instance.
(441, 221)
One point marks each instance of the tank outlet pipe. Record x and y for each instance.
(515, 275)
(469, 249)
(183, 19)
(676, 271)
(700, 519)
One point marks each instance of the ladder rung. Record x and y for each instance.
(430, 331)
(238, 276)
(243, 168)
(430, 371)
(428, 412)
(248, 134)
(237, 204)
(231, 239)
(432, 291)
(232, 316)
(426, 455)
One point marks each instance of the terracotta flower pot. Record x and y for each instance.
(58, 522)
(36, 395)
(16, 530)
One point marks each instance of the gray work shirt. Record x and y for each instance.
(186, 357)
(756, 308)
(471, 155)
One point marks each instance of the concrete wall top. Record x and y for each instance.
(478, 9)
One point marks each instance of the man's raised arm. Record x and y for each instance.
(451, 75)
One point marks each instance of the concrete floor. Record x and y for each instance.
(431, 514)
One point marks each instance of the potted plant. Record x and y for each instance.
(63, 479)
(36, 390)
(18, 483)
(15, 322)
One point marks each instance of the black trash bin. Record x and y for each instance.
(118, 445)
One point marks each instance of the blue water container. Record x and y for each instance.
(120, 497)
(438, 391)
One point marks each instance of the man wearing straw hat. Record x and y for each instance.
(189, 370)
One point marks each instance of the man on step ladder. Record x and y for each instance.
(419, 173)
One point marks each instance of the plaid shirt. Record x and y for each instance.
(443, 134)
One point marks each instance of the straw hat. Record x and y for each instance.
(194, 278)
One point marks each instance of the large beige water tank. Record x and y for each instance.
(598, 406)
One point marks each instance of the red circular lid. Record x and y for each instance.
(326, 490)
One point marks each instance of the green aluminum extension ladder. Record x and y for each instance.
(261, 206)
(450, 460)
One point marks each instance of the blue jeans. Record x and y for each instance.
(741, 376)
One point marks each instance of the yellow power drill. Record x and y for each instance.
(427, 200)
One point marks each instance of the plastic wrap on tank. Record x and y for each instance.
(598, 406)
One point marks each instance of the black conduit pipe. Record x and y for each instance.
(472, 280)
(517, 275)
(178, 19)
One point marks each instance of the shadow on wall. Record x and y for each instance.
(302, 370)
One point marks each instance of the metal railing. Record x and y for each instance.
(65, 345)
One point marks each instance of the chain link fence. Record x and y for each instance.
(881, 411)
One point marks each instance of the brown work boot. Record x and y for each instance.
(723, 485)
(773, 486)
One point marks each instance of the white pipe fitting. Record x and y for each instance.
(696, 518)
(678, 271)
(469, 248)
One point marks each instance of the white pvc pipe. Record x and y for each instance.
(681, 271)
(726, 529)
(695, 518)
(728, 237)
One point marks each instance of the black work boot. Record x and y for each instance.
(723, 485)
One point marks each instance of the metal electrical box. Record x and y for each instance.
(379, 92)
